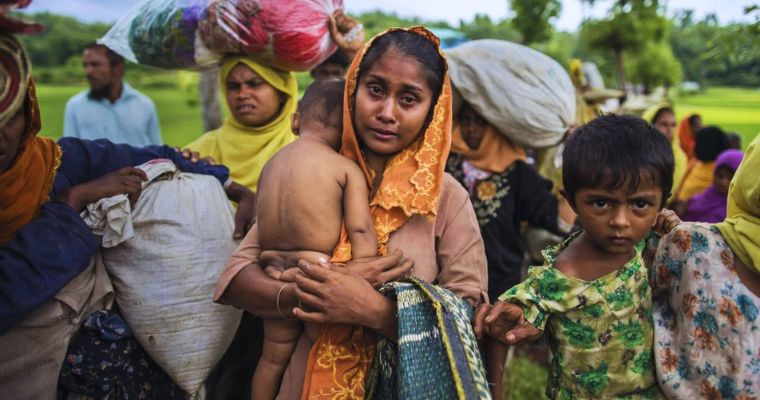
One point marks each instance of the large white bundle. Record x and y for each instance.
(164, 276)
(522, 92)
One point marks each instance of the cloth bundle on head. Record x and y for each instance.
(245, 149)
(27, 183)
(741, 229)
(522, 92)
(411, 186)
(710, 205)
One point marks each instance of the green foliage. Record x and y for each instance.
(481, 27)
(631, 25)
(533, 18)
(524, 378)
(655, 66)
(719, 55)
(561, 46)
(62, 38)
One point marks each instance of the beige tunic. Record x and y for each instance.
(32, 353)
(447, 251)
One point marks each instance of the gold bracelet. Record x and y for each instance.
(277, 302)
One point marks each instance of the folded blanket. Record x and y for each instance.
(437, 355)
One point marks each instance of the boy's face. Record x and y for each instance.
(615, 220)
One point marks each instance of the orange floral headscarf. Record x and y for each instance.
(26, 184)
(411, 185)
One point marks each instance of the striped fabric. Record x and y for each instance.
(437, 355)
(15, 71)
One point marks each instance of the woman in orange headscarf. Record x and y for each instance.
(687, 130)
(397, 127)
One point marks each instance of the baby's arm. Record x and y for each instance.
(359, 225)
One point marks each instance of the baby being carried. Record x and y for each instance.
(306, 192)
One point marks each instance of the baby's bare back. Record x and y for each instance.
(300, 198)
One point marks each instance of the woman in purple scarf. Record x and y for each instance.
(710, 205)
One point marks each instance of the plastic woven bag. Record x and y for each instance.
(522, 92)
(162, 33)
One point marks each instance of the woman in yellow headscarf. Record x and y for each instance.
(706, 297)
(260, 100)
(662, 117)
(397, 128)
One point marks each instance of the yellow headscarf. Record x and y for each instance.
(681, 160)
(698, 178)
(741, 229)
(245, 149)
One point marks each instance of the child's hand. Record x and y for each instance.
(273, 272)
(478, 320)
(505, 322)
(666, 221)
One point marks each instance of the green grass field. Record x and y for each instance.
(178, 111)
(733, 109)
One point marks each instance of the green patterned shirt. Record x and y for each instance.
(600, 332)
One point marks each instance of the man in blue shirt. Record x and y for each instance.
(111, 109)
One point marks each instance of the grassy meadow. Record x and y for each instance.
(733, 109)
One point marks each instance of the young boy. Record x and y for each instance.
(591, 298)
(306, 192)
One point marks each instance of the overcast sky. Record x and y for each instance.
(448, 10)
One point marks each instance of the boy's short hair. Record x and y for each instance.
(615, 150)
(323, 102)
(709, 142)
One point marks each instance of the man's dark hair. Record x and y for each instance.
(323, 102)
(613, 151)
(114, 58)
(337, 58)
(710, 141)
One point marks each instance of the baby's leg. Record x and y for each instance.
(280, 339)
